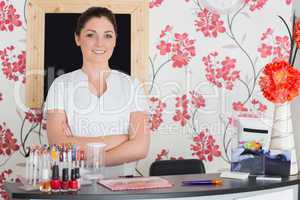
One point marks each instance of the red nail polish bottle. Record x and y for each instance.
(73, 184)
(55, 182)
(65, 180)
(77, 176)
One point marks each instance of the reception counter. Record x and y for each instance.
(286, 189)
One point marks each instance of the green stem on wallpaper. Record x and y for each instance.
(255, 76)
(294, 57)
(247, 87)
(193, 120)
(293, 43)
(224, 143)
(290, 36)
(198, 4)
(155, 74)
(21, 136)
(232, 36)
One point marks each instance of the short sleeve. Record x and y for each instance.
(55, 97)
(140, 100)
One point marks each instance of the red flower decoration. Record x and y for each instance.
(3, 176)
(224, 75)
(157, 108)
(297, 33)
(280, 82)
(288, 2)
(183, 50)
(8, 17)
(197, 100)
(279, 49)
(238, 106)
(181, 116)
(258, 105)
(177, 46)
(256, 4)
(13, 66)
(34, 116)
(174, 158)
(182, 102)
(265, 50)
(8, 143)
(155, 3)
(209, 23)
(163, 153)
(205, 147)
(164, 48)
(181, 112)
(167, 30)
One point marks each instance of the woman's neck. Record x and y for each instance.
(96, 71)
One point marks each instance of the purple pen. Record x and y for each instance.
(203, 182)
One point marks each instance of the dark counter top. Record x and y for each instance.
(96, 191)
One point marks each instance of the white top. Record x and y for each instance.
(92, 116)
(89, 115)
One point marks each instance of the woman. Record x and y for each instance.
(96, 103)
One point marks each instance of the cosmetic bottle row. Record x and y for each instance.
(41, 159)
(57, 184)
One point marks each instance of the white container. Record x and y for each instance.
(95, 160)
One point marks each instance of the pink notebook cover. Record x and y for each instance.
(135, 183)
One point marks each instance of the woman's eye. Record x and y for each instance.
(108, 36)
(90, 35)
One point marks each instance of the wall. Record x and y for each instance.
(203, 70)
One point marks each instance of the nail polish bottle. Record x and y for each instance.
(45, 182)
(65, 180)
(55, 182)
(73, 184)
(77, 176)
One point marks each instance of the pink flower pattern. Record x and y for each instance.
(155, 3)
(204, 147)
(277, 48)
(164, 155)
(239, 106)
(13, 66)
(3, 176)
(36, 116)
(181, 113)
(157, 107)
(8, 17)
(8, 144)
(255, 4)
(265, 50)
(209, 23)
(180, 47)
(182, 106)
(224, 75)
(288, 2)
(197, 100)
(257, 105)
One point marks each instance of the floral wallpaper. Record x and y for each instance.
(203, 64)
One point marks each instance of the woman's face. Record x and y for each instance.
(97, 40)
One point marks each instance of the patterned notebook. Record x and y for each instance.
(135, 183)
